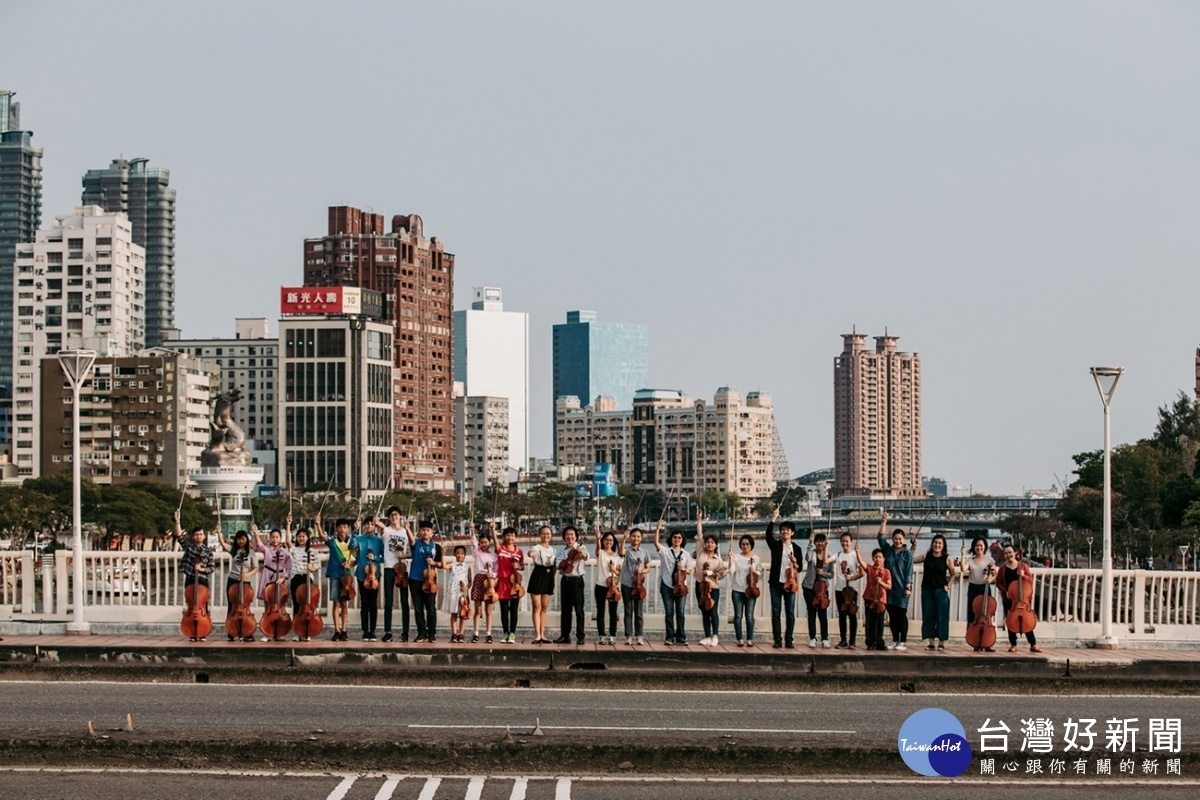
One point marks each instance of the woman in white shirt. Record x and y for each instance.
(541, 582)
(980, 569)
(608, 566)
(742, 566)
(847, 575)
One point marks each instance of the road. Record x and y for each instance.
(455, 714)
(168, 785)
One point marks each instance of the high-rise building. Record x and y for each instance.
(491, 358)
(249, 362)
(675, 445)
(141, 418)
(877, 419)
(335, 411)
(146, 197)
(78, 284)
(593, 358)
(482, 428)
(416, 277)
(20, 216)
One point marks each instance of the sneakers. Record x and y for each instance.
(812, 642)
(892, 645)
(825, 643)
(641, 641)
(901, 646)
(629, 641)
(715, 641)
(841, 645)
(706, 642)
(387, 636)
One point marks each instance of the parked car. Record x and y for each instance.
(114, 579)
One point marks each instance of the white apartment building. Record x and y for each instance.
(676, 445)
(249, 362)
(491, 359)
(80, 283)
(481, 458)
(336, 400)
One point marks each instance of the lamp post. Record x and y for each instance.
(1089, 552)
(1106, 383)
(76, 365)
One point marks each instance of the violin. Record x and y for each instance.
(638, 591)
(464, 603)
(878, 598)
(308, 622)
(430, 583)
(240, 622)
(489, 588)
(614, 587)
(981, 633)
(1020, 618)
(752, 587)
(516, 588)
(401, 579)
(849, 604)
(704, 595)
(346, 587)
(567, 565)
(370, 575)
(196, 623)
(791, 576)
(679, 580)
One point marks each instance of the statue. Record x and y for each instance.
(227, 444)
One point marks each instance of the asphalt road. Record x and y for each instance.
(455, 714)
(159, 785)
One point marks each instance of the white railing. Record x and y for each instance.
(125, 586)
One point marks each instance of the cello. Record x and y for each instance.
(308, 622)
(196, 623)
(240, 622)
(1020, 618)
(276, 621)
(981, 633)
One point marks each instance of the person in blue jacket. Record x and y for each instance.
(899, 561)
(368, 546)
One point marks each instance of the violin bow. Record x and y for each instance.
(182, 495)
(290, 490)
(633, 520)
(326, 496)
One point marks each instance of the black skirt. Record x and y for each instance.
(542, 580)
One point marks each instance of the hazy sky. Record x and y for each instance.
(1012, 188)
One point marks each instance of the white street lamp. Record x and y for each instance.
(76, 365)
(1106, 383)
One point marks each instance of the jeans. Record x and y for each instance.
(712, 617)
(572, 605)
(424, 609)
(935, 614)
(602, 603)
(785, 602)
(814, 615)
(743, 609)
(634, 606)
(508, 616)
(898, 622)
(368, 608)
(390, 590)
(673, 611)
(845, 620)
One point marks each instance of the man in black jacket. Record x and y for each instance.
(784, 552)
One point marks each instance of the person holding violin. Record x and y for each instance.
(395, 561)
(571, 584)
(710, 571)
(541, 581)
(483, 588)
(818, 572)
(458, 575)
(980, 569)
(847, 590)
(242, 569)
(510, 560)
(879, 583)
(305, 565)
(197, 561)
(426, 555)
(608, 578)
(935, 595)
(745, 569)
(367, 547)
(785, 555)
(899, 561)
(340, 565)
(1014, 569)
(675, 564)
(635, 566)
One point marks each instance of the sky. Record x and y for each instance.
(1011, 188)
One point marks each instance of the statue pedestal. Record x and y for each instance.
(229, 489)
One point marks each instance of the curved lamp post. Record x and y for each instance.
(76, 365)
(1106, 383)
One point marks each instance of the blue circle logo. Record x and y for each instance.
(933, 742)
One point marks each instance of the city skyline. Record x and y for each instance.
(1017, 219)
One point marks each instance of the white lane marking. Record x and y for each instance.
(388, 789)
(342, 788)
(430, 788)
(474, 789)
(627, 728)
(562, 790)
(213, 687)
(518, 792)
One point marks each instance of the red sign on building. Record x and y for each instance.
(311, 300)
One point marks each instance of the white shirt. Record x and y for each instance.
(604, 566)
(667, 564)
(543, 556)
(844, 565)
(741, 570)
(395, 547)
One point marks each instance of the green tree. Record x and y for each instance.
(786, 500)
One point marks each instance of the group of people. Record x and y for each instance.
(411, 565)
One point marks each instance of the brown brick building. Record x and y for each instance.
(416, 277)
